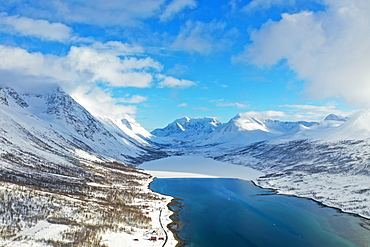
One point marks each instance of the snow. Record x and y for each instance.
(53, 126)
(189, 128)
(46, 230)
(42, 230)
(197, 166)
(159, 213)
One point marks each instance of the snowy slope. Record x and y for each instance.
(242, 129)
(189, 128)
(334, 128)
(62, 124)
(64, 174)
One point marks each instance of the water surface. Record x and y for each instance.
(232, 212)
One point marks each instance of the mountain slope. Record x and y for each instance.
(64, 174)
(189, 128)
(64, 123)
(242, 129)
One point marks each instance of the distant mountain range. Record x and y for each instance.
(244, 129)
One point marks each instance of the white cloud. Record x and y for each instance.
(312, 112)
(106, 13)
(117, 72)
(97, 101)
(134, 99)
(201, 108)
(39, 28)
(204, 38)
(81, 65)
(265, 114)
(328, 49)
(329, 108)
(169, 81)
(197, 108)
(236, 104)
(260, 5)
(178, 70)
(117, 48)
(82, 69)
(175, 7)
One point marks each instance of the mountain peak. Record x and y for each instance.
(188, 128)
(333, 117)
(9, 94)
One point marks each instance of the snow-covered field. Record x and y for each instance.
(160, 215)
(197, 167)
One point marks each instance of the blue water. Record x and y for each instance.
(232, 212)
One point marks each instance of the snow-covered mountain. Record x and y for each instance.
(62, 170)
(189, 128)
(54, 152)
(58, 121)
(44, 133)
(327, 161)
(241, 129)
(333, 117)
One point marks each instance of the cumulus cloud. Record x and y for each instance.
(98, 100)
(175, 7)
(81, 64)
(82, 69)
(169, 81)
(39, 28)
(328, 49)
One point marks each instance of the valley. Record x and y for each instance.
(68, 177)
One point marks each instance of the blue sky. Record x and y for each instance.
(158, 60)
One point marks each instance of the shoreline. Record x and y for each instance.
(170, 169)
(176, 222)
(174, 219)
(176, 203)
(277, 192)
(163, 218)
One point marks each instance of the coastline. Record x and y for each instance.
(186, 167)
(164, 217)
(323, 204)
(169, 168)
(176, 222)
(176, 205)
